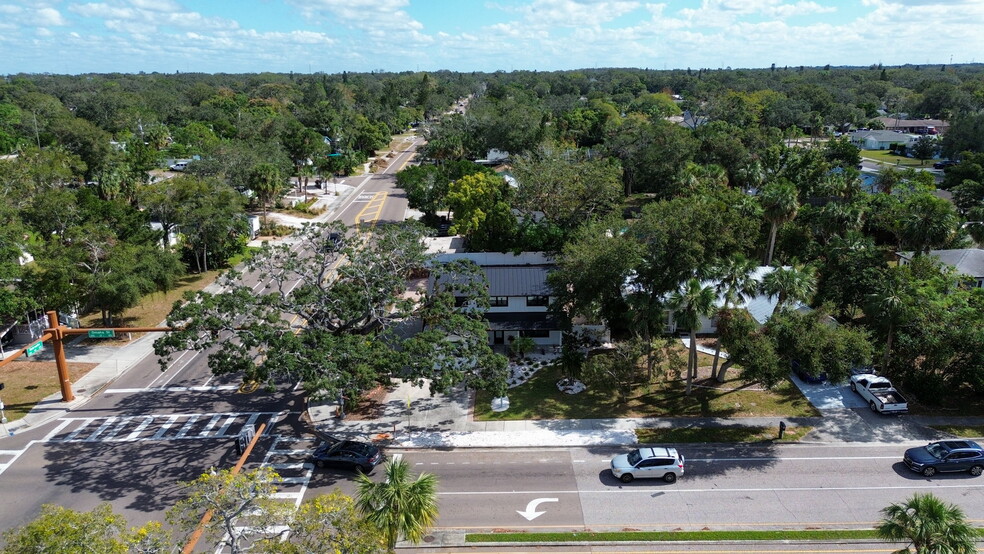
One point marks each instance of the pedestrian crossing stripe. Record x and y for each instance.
(155, 427)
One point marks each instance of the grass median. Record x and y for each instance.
(667, 536)
(727, 434)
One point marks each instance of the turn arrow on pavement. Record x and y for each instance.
(530, 513)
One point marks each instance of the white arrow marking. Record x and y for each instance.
(530, 513)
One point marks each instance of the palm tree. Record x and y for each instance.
(266, 183)
(927, 222)
(795, 283)
(734, 284)
(780, 203)
(890, 306)
(930, 525)
(400, 506)
(688, 306)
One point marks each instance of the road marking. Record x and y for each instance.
(167, 424)
(56, 430)
(154, 427)
(213, 388)
(649, 491)
(109, 421)
(75, 433)
(531, 513)
(140, 428)
(187, 426)
(211, 423)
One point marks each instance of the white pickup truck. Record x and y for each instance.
(880, 394)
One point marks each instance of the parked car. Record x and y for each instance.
(348, 454)
(648, 463)
(880, 394)
(946, 456)
(180, 166)
(805, 376)
(943, 164)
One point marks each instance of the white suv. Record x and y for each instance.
(652, 463)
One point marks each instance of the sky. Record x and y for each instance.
(331, 36)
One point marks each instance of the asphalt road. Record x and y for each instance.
(725, 487)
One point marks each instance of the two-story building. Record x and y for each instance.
(519, 295)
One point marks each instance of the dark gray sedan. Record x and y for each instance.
(946, 456)
(355, 455)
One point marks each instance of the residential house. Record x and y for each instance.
(914, 126)
(759, 306)
(519, 294)
(879, 140)
(967, 261)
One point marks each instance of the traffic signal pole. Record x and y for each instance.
(58, 345)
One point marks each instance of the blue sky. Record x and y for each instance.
(235, 36)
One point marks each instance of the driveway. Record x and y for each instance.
(830, 396)
(847, 417)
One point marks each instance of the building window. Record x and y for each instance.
(537, 300)
(499, 301)
(536, 334)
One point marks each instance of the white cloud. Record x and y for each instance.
(128, 16)
(574, 13)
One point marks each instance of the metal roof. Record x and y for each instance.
(967, 261)
(525, 280)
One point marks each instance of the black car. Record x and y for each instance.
(946, 456)
(943, 164)
(355, 455)
(805, 376)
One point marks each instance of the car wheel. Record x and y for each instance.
(626, 477)
(854, 388)
(670, 477)
(976, 470)
(929, 471)
(871, 405)
(321, 464)
(363, 469)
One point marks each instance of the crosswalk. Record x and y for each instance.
(155, 427)
(286, 456)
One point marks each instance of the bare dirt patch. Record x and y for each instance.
(371, 406)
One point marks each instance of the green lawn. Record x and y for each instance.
(539, 398)
(883, 156)
(733, 434)
(965, 431)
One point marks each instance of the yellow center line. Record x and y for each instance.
(372, 210)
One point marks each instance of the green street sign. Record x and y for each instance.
(102, 334)
(34, 348)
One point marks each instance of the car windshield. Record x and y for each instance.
(936, 450)
(634, 457)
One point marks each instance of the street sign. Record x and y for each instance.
(102, 334)
(35, 348)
